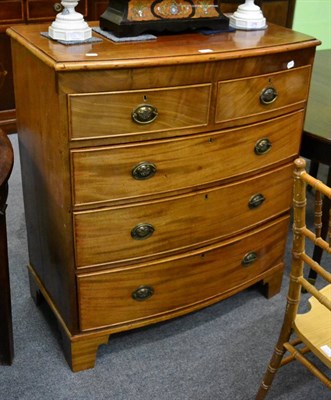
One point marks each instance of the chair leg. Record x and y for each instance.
(313, 170)
(317, 254)
(279, 351)
(270, 373)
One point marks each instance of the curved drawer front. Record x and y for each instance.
(151, 228)
(263, 96)
(174, 285)
(137, 112)
(152, 168)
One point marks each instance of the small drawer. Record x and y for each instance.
(48, 9)
(11, 11)
(257, 98)
(175, 285)
(150, 229)
(105, 174)
(134, 113)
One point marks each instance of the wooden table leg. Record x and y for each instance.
(6, 329)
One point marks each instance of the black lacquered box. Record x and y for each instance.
(134, 17)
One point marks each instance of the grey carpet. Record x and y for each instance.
(220, 352)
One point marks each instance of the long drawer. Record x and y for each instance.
(152, 228)
(117, 297)
(135, 112)
(114, 173)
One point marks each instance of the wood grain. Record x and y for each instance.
(240, 98)
(110, 114)
(78, 146)
(104, 174)
(103, 236)
(105, 298)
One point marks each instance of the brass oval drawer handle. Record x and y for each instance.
(268, 95)
(142, 231)
(256, 200)
(144, 114)
(262, 146)
(249, 259)
(144, 170)
(143, 293)
(57, 7)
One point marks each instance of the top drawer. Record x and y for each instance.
(260, 97)
(137, 112)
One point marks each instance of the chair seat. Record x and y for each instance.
(314, 327)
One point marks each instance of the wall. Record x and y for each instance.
(314, 18)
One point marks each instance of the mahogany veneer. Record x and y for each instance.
(35, 11)
(157, 176)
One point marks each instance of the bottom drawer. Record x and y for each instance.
(155, 290)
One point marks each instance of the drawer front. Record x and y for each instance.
(48, 9)
(118, 297)
(11, 11)
(133, 113)
(149, 229)
(259, 97)
(151, 168)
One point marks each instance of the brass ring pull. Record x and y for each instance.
(57, 7)
(142, 231)
(256, 200)
(144, 114)
(262, 146)
(268, 95)
(249, 259)
(143, 293)
(144, 170)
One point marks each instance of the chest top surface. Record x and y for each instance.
(164, 50)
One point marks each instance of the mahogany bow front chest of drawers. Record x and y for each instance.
(157, 176)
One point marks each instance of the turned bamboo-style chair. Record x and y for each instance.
(311, 330)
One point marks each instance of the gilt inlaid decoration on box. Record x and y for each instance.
(134, 17)
(139, 10)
